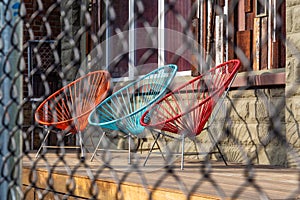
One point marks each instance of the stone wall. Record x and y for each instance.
(292, 79)
(254, 127)
(250, 126)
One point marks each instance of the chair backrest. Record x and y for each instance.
(188, 108)
(69, 108)
(123, 109)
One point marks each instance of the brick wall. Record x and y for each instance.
(39, 24)
(37, 19)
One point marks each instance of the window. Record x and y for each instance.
(254, 31)
(130, 18)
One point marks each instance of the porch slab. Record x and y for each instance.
(65, 176)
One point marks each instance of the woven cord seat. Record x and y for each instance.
(123, 109)
(68, 108)
(186, 110)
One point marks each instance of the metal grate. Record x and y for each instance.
(41, 61)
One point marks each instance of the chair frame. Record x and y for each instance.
(162, 124)
(129, 123)
(76, 123)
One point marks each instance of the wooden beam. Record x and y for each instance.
(275, 55)
(249, 21)
(231, 28)
(241, 16)
(256, 44)
(267, 79)
(194, 59)
(264, 44)
(248, 6)
(244, 41)
(221, 3)
(219, 45)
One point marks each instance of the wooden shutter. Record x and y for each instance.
(240, 18)
(278, 43)
(253, 23)
(194, 60)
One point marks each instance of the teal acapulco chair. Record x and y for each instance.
(123, 109)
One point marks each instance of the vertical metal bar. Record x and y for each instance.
(161, 33)
(83, 40)
(131, 44)
(270, 33)
(30, 79)
(11, 61)
(226, 25)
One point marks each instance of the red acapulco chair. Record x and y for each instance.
(68, 109)
(186, 110)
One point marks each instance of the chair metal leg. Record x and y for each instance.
(141, 145)
(151, 149)
(217, 146)
(129, 150)
(157, 144)
(182, 152)
(196, 147)
(97, 147)
(222, 156)
(42, 144)
(82, 156)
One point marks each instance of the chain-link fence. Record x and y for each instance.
(81, 82)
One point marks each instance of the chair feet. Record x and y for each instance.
(82, 158)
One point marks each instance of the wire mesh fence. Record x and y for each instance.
(51, 50)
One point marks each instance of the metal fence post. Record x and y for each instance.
(11, 66)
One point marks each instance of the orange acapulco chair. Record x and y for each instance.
(68, 109)
(187, 109)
